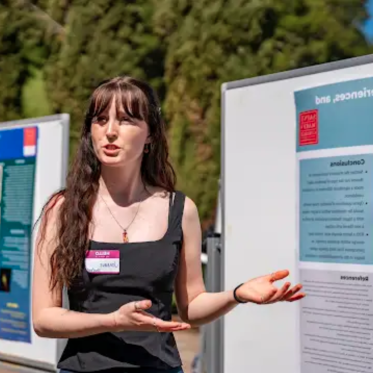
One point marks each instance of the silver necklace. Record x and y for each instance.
(125, 230)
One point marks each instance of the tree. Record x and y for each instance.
(21, 48)
(213, 41)
(103, 38)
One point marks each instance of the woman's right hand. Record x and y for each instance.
(132, 316)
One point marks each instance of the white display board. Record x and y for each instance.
(47, 140)
(260, 214)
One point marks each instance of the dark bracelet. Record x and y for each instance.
(235, 296)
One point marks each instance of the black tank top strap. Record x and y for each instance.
(175, 218)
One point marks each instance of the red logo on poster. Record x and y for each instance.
(29, 136)
(309, 127)
(29, 141)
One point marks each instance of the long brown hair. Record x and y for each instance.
(139, 101)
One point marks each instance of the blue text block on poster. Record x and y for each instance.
(336, 209)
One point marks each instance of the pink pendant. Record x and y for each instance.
(125, 236)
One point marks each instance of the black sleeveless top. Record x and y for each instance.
(147, 271)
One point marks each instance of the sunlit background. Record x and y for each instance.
(54, 52)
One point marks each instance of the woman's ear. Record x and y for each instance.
(147, 147)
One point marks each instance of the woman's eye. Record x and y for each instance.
(100, 120)
(125, 120)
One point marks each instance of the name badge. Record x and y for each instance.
(103, 261)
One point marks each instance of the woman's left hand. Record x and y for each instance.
(261, 290)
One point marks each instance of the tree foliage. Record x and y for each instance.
(103, 38)
(21, 48)
(185, 48)
(213, 41)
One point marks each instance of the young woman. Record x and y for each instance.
(120, 239)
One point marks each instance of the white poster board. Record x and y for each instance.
(263, 218)
(34, 160)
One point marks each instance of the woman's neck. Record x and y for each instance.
(123, 186)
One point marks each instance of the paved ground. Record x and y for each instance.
(9, 368)
(188, 343)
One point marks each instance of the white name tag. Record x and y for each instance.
(102, 261)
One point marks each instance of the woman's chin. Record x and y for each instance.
(111, 162)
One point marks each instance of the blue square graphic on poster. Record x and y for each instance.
(336, 209)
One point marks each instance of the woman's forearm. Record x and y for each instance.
(208, 307)
(56, 322)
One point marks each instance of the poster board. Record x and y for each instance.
(286, 139)
(33, 165)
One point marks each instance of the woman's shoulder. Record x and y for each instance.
(52, 208)
(190, 209)
(55, 202)
(48, 222)
(190, 220)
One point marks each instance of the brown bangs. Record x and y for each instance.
(130, 100)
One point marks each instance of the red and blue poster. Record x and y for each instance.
(18, 152)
